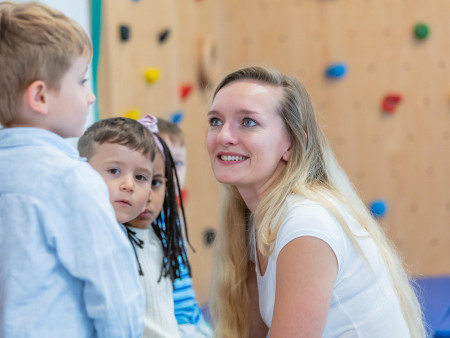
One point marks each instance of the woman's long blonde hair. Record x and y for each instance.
(311, 172)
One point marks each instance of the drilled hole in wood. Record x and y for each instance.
(263, 4)
(321, 105)
(316, 36)
(359, 175)
(434, 242)
(340, 140)
(394, 173)
(282, 38)
(406, 66)
(301, 72)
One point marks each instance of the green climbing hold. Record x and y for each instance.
(421, 31)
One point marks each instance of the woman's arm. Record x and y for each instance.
(258, 328)
(306, 271)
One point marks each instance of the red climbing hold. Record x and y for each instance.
(185, 90)
(390, 102)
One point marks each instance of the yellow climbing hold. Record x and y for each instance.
(151, 75)
(133, 114)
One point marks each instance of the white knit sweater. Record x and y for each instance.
(160, 321)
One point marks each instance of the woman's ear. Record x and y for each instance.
(36, 97)
(287, 154)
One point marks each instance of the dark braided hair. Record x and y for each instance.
(168, 225)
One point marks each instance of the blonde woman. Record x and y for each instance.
(299, 254)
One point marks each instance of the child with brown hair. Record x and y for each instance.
(65, 268)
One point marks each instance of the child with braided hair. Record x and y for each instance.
(157, 238)
(191, 322)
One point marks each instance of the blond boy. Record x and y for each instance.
(65, 269)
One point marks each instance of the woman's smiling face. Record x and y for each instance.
(247, 139)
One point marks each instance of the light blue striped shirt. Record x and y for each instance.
(67, 269)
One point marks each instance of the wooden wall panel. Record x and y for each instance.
(403, 158)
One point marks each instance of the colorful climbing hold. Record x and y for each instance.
(151, 75)
(124, 31)
(390, 102)
(133, 114)
(185, 90)
(177, 117)
(378, 208)
(162, 37)
(421, 31)
(336, 70)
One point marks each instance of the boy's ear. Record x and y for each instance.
(36, 97)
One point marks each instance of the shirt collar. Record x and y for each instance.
(22, 136)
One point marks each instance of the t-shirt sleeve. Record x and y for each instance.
(314, 220)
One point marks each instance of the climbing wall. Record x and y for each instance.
(387, 117)
(377, 71)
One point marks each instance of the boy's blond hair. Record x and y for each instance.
(36, 43)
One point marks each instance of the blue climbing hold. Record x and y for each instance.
(378, 208)
(177, 117)
(336, 70)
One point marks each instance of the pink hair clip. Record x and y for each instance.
(151, 123)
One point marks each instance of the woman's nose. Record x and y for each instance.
(227, 134)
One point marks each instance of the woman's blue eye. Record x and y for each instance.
(84, 81)
(214, 122)
(179, 163)
(247, 122)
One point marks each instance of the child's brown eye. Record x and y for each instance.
(141, 178)
(156, 184)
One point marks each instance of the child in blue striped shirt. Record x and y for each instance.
(191, 322)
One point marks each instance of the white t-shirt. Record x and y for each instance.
(364, 302)
(160, 321)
